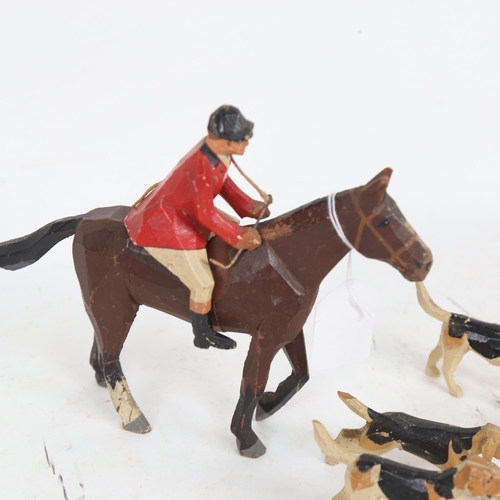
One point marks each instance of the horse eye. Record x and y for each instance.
(385, 222)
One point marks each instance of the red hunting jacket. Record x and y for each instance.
(180, 213)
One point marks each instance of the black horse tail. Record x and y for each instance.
(22, 252)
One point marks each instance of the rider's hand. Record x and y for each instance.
(256, 210)
(250, 239)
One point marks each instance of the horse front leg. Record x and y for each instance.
(271, 402)
(255, 375)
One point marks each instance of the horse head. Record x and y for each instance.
(375, 226)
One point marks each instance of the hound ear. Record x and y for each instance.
(489, 450)
(375, 190)
(491, 442)
(490, 445)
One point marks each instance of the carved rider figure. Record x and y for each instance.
(175, 219)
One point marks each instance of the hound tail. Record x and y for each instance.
(333, 451)
(356, 406)
(22, 252)
(428, 305)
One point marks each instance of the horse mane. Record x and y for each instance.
(296, 220)
(290, 222)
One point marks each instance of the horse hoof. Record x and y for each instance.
(266, 406)
(255, 451)
(140, 425)
(260, 414)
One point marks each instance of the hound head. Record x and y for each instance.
(478, 477)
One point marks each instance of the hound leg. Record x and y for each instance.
(454, 350)
(271, 402)
(431, 368)
(255, 375)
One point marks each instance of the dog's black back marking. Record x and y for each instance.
(399, 481)
(484, 338)
(423, 438)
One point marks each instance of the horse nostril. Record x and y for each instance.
(419, 265)
(428, 266)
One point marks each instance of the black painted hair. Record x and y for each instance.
(227, 122)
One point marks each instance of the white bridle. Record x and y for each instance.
(334, 218)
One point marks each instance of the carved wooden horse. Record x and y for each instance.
(268, 294)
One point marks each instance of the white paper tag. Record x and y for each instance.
(343, 327)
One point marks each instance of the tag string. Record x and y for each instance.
(334, 218)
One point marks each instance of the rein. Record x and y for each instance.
(146, 193)
(239, 252)
(262, 193)
(268, 199)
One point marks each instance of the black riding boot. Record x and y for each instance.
(205, 336)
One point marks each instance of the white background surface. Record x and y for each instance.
(100, 99)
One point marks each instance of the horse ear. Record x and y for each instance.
(375, 190)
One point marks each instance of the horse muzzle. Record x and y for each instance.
(417, 265)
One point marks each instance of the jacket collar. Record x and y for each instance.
(212, 157)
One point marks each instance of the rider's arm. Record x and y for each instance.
(207, 214)
(240, 202)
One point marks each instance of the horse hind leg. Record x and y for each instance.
(112, 315)
(133, 419)
(271, 402)
(95, 363)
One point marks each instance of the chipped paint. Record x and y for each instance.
(124, 402)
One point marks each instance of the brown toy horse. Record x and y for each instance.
(268, 294)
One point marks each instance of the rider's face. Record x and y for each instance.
(225, 147)
(236, 148)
